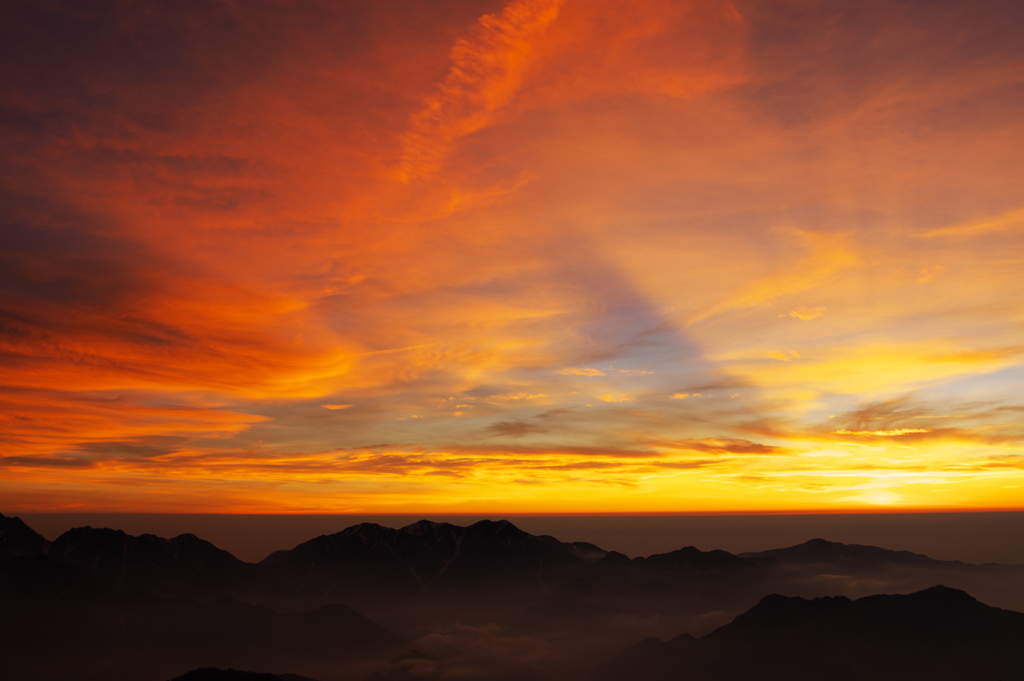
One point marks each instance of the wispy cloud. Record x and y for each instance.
(487, 71)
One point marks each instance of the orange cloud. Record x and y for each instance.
(581, 372)
(487, 71)
(451, 219)
(883, 433)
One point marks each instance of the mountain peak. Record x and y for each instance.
(946, 598)
(368, 533)
(426, 556)
(496, 526)
(429, 527)
(18, 539)
(945, 592)
(818, 541)
(820, 551)
(183, 565)
(691, 558)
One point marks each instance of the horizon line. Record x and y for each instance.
(554, 514)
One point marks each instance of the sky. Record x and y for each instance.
(536, 256)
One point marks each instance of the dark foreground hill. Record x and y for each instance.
(59, 622)
(937, 634)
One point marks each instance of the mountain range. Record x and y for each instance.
(104, 604)
(437, 558)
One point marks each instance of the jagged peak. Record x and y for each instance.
(89, 529)
(88, 532)
(367, 532)
(105, 539)
(363, 527)
(13, 521)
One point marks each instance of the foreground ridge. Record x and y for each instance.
(937, 634)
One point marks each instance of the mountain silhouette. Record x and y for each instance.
(427, 557)
(937, 634)
(18, 539)
(182, 566)
(846, 556)
(99, 604)
(692, 558)
(817, 567)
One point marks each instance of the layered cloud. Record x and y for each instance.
(572, 256)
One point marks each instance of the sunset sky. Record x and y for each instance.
(551, 256)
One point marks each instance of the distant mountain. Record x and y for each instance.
(938, 634)
(182, 566)
(367, 562)
(427, 557)
(847, 556)
(819, 567)
(99, 604)
(18, 539)
(692, 558)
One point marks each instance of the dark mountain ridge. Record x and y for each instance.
(692, 558)
(938, 634)
(848, 556)
(98, 603)
(427, 557)
(182, 565)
